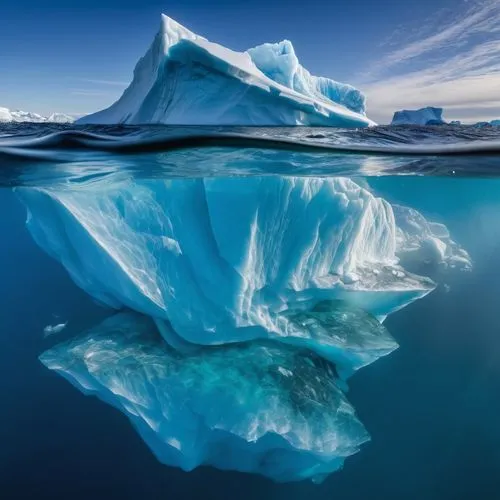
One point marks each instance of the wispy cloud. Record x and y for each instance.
(89, 93)
(455, 65)
(104, 82)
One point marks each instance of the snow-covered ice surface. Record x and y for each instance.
(185, 79)
(423, 116)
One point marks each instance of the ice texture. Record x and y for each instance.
(279, 62)
(258, 407)
(424, 242)
(184, 79)
(423, 116)
(219, 260)
(253, 300)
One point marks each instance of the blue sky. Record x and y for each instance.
(78, 56)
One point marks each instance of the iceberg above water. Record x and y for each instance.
(6, 115)
(186, 80)
(423, 116)
(220, 260)
(257, 407)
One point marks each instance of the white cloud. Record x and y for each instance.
(104, 82)
(88, 93)
(466, 84)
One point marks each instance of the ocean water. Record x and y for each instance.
(430, 407)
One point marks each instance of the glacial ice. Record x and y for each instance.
(423, 116)
(220, 260)
(186, 80)
(258, 407)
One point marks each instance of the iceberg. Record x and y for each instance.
(6, 115)
(219, 260)
(258, 407)
(245, 305)
(423, 116)
(184, 79)
(492, 123)
(60, 118)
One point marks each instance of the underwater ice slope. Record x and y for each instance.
(308, 262)
(254, 407)
(184, 79)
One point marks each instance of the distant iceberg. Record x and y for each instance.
(186, 80)
(6, 115)
(423, 116)
(492, 123)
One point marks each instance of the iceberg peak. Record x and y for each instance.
(184, 79)
(171, 32)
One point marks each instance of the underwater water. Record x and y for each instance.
(246, 312)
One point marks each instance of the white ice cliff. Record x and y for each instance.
(184, 79)
(423, 116)
(253, 407)
(6, 115)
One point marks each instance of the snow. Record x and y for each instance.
(423, 116)
(184, 79)
(7, 115)
(258, 407)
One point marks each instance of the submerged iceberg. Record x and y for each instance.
(257, 407)
(253, 300)
(423, 116)
(186, 80)
(220, 260)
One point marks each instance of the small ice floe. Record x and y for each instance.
(54, 329)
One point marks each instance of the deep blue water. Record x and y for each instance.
(431, 407)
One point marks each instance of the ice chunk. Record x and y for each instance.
(219, 260)
(186, 80)
(54, 329)
(420, 241)
(423, 116)
(255, 407)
